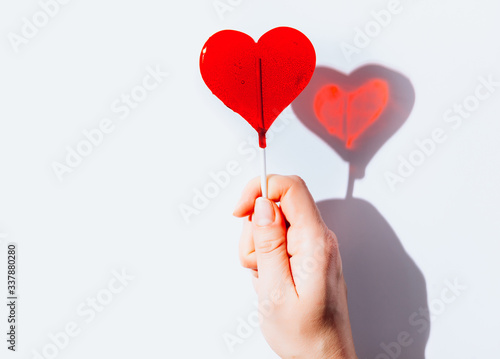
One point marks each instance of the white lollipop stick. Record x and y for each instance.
(263, 172)
(262, 136)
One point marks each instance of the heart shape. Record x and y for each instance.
(355, 114)
(348, 114)
(258, 80)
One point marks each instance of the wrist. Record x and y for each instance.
(333, 347)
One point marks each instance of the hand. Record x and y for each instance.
(297, 271)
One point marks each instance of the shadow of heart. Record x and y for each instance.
(355, 114)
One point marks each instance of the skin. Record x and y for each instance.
(297, 271)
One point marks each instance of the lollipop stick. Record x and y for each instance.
(263, 172)
(262, 135)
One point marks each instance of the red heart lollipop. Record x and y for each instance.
(258, 80)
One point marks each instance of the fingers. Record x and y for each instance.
(296, 202)
(247, 255)
(269, 235)
(246, 246)
(293, 237)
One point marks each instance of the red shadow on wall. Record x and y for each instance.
(355, 115)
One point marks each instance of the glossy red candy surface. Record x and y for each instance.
(258, 80)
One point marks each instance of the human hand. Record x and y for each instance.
(297, 271)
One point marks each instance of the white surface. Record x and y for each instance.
(120, 208)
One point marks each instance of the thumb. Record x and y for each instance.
(269, 235)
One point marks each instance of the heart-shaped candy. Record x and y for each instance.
(258, 80)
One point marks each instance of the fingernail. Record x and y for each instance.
(263, 214)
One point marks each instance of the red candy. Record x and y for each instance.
(258, 80)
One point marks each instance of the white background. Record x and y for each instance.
(120, 207)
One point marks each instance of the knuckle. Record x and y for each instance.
(331, 244)
(325, 246)
(331, 239)
(268, 244)
(298, 180)
(243, 260)
(333, 252)
(246, 261)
